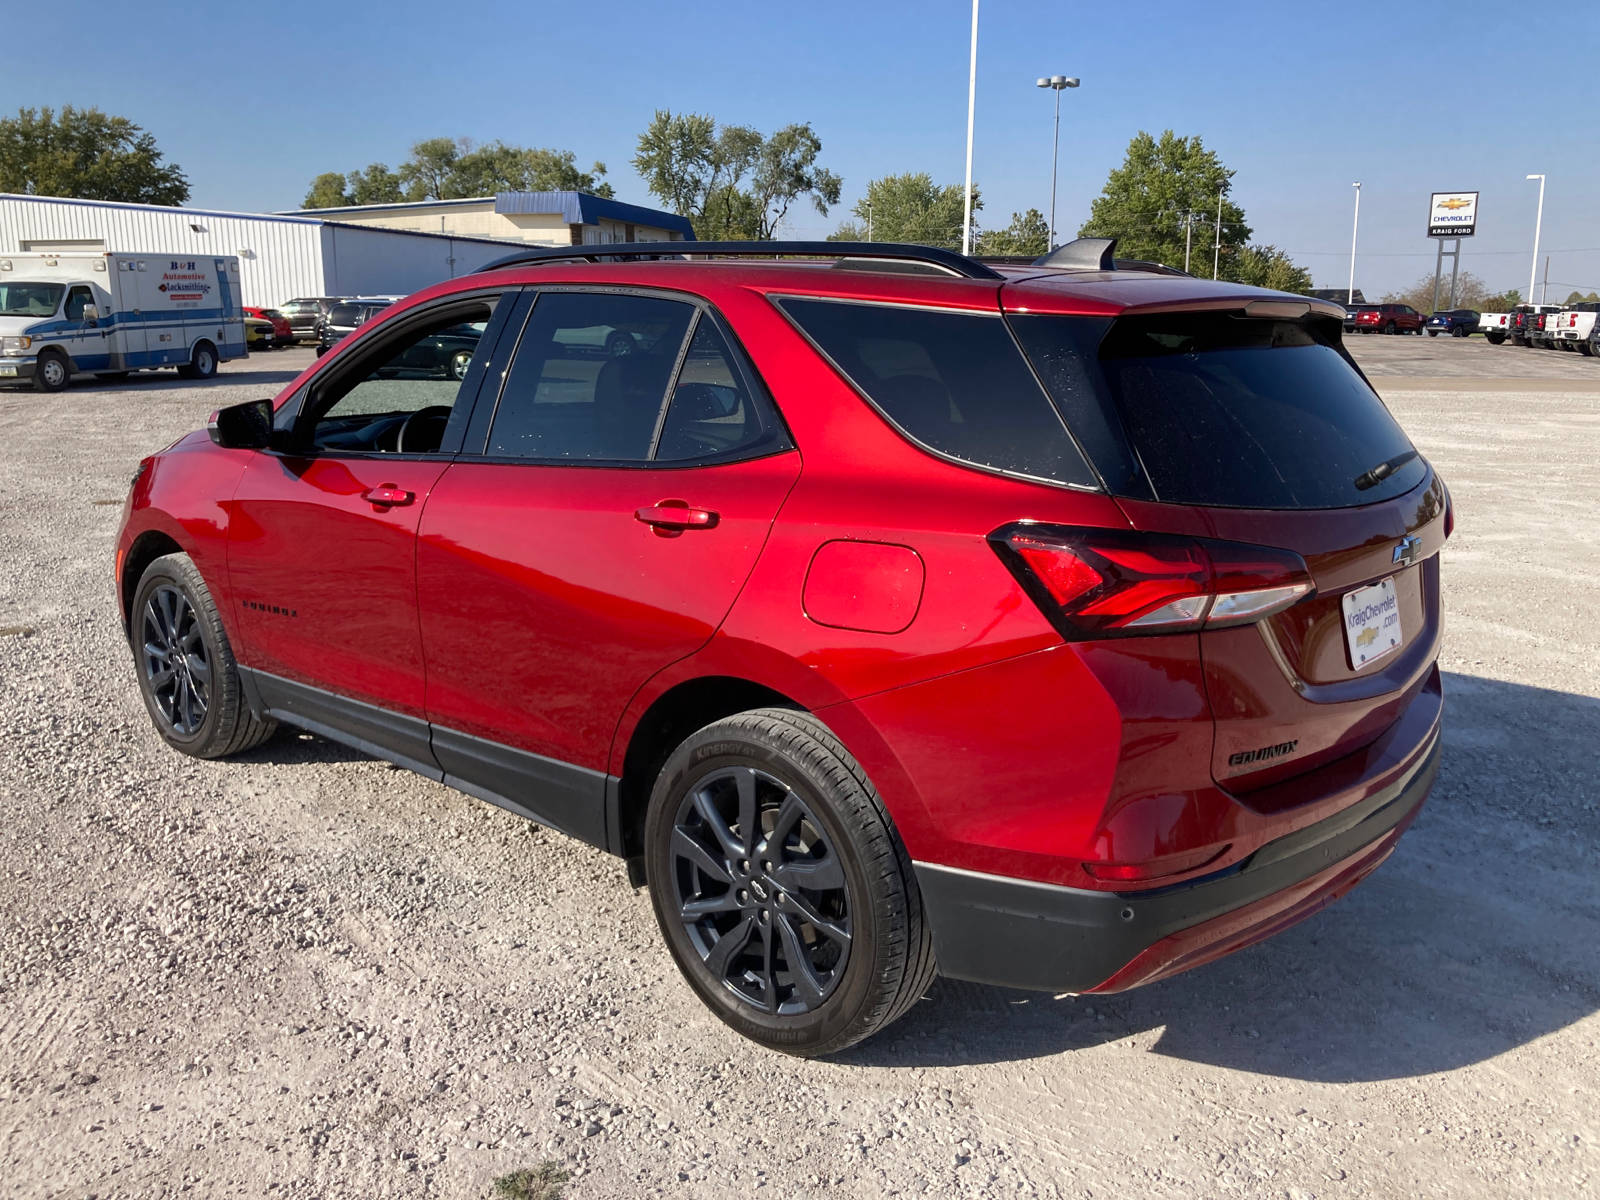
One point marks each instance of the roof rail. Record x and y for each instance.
(888, 252)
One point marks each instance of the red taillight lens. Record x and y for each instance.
(1095, 583)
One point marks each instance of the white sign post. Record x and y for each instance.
(1451, 216)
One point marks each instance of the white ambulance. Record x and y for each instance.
(61, 314)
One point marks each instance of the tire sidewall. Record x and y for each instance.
(204, 353)
(42, 364)
(711, 750)
(167, 571)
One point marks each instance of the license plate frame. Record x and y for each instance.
(1372, 628)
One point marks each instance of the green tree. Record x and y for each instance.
(699, 169)
(1580, 298)
(85, 154)
(456, 169)
(1269, 267)
(1028, 233)
(1165, 189)
(1471, 292)
(909, 208)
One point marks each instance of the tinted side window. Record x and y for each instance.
(590, 377)
(76, 299)
(345, 314)
(954, 382)
(713, 411)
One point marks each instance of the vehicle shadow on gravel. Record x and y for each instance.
(1480, 934)
(295, 747)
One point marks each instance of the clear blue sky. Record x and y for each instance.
(1300, 100)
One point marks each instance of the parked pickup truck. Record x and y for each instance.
(1494, 326)
(1527, 323)
(1576, 328)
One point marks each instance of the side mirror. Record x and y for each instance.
(91, 314)
(245, 426)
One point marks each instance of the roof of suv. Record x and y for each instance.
(893, 273)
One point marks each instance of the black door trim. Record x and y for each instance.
(576, 801)
(377, 731)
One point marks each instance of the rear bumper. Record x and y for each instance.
(1016, 933)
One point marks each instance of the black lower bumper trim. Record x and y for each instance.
(1016, 933)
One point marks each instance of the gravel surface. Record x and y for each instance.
(304, 973)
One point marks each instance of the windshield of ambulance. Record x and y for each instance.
(30, 299)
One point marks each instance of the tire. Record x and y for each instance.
(1389, 328)
(859, 927)
(321, 350)
(202, 362)
(1459, 331)
(198, 710)
(1433, 333)
(111, 376)
(1496, 338)
(52, 371)
(1590, 348)
(619, 343)
(460, 362)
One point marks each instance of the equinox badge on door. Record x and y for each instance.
(1408, 551)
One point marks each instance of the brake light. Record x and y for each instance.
(1098, 583)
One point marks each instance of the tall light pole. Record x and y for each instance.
(1533, 271)
(972, 103)
(1355, 228)
(1216, 252)
(1056, 83)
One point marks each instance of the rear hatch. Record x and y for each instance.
(1260, 431)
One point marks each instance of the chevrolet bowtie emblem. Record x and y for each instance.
(1408, 551)
(1367, 636)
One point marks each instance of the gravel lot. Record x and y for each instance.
(303, 973)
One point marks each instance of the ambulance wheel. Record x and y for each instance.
(52, 372)
(203, 363)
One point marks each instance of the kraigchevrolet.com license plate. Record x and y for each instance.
(1371, 622)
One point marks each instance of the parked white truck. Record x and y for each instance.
(1576, 327)
(61, 314)
(1494, 326)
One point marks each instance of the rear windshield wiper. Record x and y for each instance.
(1383, 470)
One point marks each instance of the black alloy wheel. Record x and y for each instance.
(186, 670)
(175, 660)
(786, 897)
(1389, 328)
(760, 892)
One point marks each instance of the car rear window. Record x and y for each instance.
(1227, 411)
(955, 383)
(345, 314)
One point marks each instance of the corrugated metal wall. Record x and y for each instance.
(279, 257)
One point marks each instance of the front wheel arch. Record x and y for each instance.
(146, 548)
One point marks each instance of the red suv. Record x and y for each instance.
(282, 334)
(1389, 318)
(1065, 626)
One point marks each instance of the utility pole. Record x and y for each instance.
(1055, 83)
(1544, 291)
(1354, 230)
(1216, 253)
(1188, 239)
(972, 102)
(1537, 225)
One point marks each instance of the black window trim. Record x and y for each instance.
(297, 440)
(755, 386)
(777, 297)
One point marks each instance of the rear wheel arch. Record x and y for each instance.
(671, 718)
(146, 548)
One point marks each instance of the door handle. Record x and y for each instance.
(386, 496)
(678, 516)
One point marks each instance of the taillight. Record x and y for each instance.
(1449, 513)
(1099, 583)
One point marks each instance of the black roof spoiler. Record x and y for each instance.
(893, 255)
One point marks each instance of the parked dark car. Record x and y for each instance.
(1457, 322)
(1389, 318)
(878, 620)
(1527, 323)
(305, 313)
(343, 319)
(443, 355)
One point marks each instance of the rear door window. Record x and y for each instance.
(954, 383)
(590, 377)
(1228, 411)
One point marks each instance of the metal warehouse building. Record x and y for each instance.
(280, 257)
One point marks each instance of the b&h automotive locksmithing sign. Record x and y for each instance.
(1452, 214)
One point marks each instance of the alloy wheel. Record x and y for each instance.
(760, 891)
(177, 669)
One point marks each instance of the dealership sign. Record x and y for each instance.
(1453, 214)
